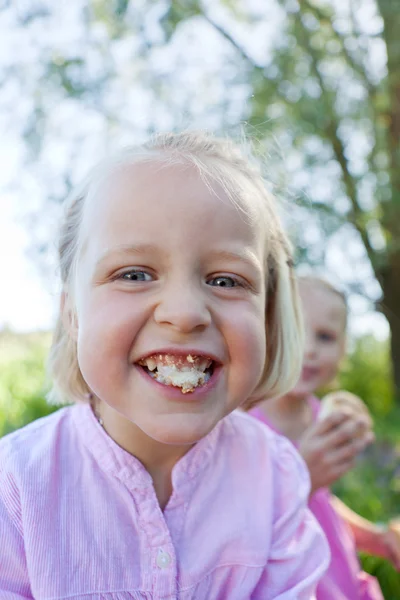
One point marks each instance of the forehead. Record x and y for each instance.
(168, 204)
(322, 306)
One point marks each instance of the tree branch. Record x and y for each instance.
(332, 135)
(234, 43)
(321, 207)
(358, 69)
(356, 66)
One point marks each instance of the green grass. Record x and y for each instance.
(23, 384)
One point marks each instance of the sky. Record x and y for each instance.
(29, 289)
(27, 298)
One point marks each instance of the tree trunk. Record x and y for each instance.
(390, 275)
(394, 323)
(390, 281)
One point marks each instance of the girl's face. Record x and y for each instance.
(324, 317)
(169, 269)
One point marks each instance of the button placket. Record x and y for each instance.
(163, 559)
(165, 576)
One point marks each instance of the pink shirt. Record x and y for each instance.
(79, 518)
(344, 579)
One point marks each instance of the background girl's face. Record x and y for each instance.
(325, 322)
(168, 268)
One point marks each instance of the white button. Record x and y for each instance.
(163, 559)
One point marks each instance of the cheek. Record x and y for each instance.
(331, 360)
(247, 343)
(106, 330)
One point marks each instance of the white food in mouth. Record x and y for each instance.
(186, 373)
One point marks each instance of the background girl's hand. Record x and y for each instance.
(329, 447)
(391, 541)
(342, 400)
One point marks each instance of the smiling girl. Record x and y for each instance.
(329, 445)
(178, 303)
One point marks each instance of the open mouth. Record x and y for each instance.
(185, 372)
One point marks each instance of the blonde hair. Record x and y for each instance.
(320, 282)
(217, 161)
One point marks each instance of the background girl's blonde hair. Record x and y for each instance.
(220, 162)
(321, 282)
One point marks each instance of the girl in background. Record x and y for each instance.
(178, 303)
(329, 446)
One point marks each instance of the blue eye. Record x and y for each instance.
(326, 337)
(223, 281)
(134, 275)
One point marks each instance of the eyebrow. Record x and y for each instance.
(245, 257)
(130, 249)
(125, 249)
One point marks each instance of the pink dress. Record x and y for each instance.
(80, 520)
(344, 579)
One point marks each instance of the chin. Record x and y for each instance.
(303, 389)
(175, 438)
(184, 432)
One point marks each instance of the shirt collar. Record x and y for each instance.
(119, 463)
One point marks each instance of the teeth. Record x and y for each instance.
(176, 362)
(151, 364)
(204, 363)
(186, 373)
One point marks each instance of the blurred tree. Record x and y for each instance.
(366, 371)
(320, 78)
(23, 384)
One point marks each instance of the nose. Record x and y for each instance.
(183, 308)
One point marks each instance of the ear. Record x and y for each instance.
(68, 315)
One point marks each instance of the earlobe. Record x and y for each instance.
(68, 314)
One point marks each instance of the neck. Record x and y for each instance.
(290, 404)
(290, 415)
(157, 458)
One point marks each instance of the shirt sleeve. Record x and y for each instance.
(14, 581)
(299, 554)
